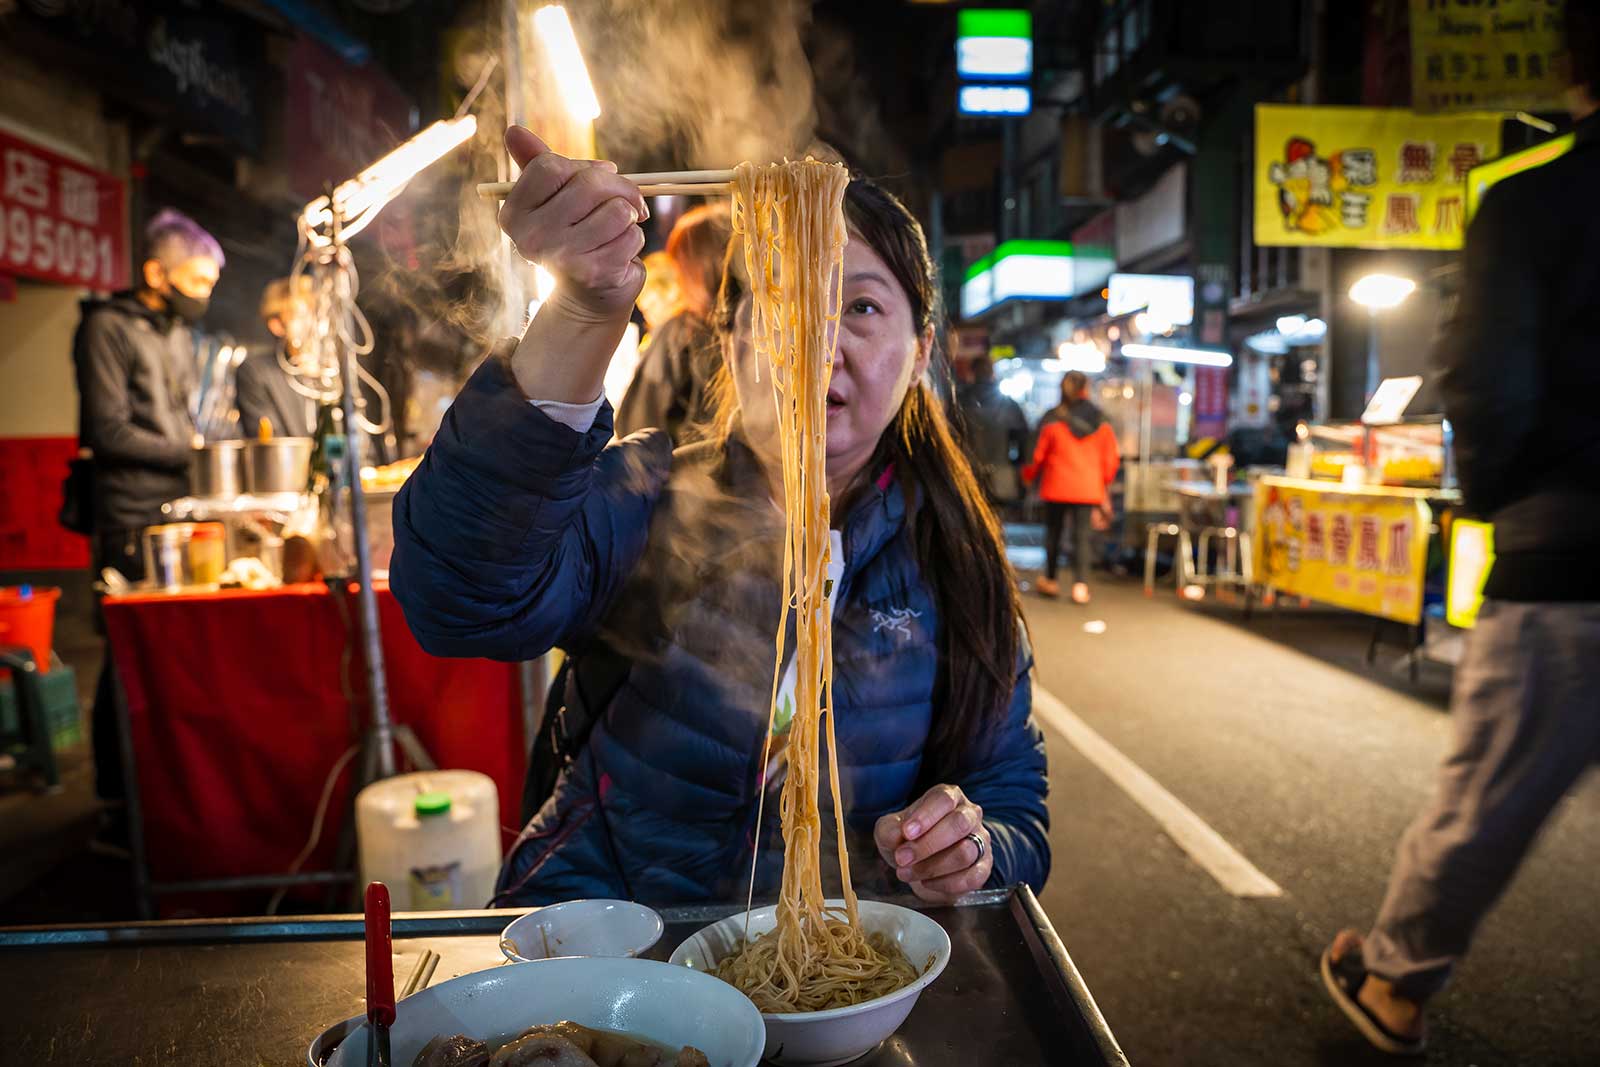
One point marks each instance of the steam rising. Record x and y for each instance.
(699, 83)
(681, 84)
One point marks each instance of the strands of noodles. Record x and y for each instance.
(791, 219)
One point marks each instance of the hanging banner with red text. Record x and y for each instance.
(1209, 407)
(59, 220)
(1353, 550)
(1366, 177)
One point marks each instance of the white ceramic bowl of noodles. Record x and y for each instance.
(644, 998)
(835, 1035)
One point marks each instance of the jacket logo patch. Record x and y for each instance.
(895, 620)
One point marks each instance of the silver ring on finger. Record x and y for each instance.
(977, 839)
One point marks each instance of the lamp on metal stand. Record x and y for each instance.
(382, 733)
(329, 366)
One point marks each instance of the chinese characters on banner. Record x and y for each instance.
(1365, 553)
(1209, 409)
(1507, 54)
(1366, 177)
(59, 220)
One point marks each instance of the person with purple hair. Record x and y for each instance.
(134, 357)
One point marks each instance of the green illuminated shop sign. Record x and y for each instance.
(992, 43)
(1018, 270)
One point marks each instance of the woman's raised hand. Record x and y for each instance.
(579, 220)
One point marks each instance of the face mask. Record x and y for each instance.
(191, 309)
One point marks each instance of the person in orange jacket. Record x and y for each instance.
(1074, 462)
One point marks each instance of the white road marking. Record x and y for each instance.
(1191, 833)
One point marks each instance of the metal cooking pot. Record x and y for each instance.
(216, 471)
(281, 465)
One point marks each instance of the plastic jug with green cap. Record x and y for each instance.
(433, 837)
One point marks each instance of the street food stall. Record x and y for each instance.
(241, 711)
(241, 657)
(1356, 522)
(262, 655)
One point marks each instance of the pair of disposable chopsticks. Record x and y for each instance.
(421, 973)
(660, 183)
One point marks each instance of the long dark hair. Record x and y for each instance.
(957, 538)
(1074, 384)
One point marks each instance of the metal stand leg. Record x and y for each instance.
(1152, 548)
(1247, 566)
(1151, 542)
(415, 754)
(1185, 568)
(140, 862)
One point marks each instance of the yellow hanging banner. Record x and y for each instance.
(1361, 177)
(1362, 551)
(1506, 54)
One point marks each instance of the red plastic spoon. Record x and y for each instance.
(380, 974)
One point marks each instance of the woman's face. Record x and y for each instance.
(880, 355)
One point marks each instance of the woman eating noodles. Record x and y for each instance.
(522, 531)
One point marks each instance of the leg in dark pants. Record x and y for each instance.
(1081, 528)
(1054, 517)
(119, 549)
(1526, 730)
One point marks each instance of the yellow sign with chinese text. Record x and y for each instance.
(1506, 54)
(1471, 558)
(1361, 177)
(1365, 553)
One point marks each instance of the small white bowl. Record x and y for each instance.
(581, 928)
(837, 1035)
(656, 1001)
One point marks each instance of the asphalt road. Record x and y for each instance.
(1311, 764)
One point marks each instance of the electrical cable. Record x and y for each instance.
(316, 825)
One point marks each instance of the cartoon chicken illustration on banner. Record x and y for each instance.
(1315, 193)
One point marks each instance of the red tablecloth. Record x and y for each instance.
(239, 713)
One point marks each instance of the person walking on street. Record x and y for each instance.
(1520, 365)
(996, 435)
(134, 357)
(1074, 462)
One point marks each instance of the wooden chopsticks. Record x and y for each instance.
(658, 183)
(421, 973)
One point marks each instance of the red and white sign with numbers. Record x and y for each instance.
(59, 220)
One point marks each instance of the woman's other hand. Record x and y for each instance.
(938, 846)
(579, 220)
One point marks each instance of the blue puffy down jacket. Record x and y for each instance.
(518, 534)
